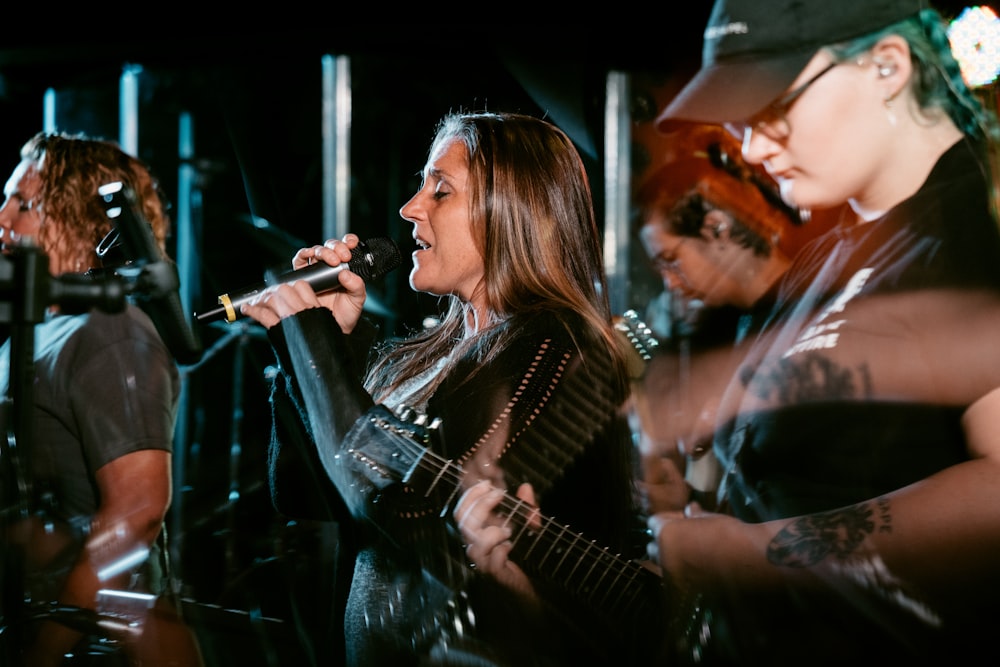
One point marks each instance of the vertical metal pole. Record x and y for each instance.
(128, 109)
(49, 111)
(188, 203)
(617, 175)
(336, 133)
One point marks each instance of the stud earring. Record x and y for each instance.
(884, 68)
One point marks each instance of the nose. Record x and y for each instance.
(411, 209)
(757, 146)
(671, 281)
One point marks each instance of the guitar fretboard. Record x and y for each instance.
(616, 585)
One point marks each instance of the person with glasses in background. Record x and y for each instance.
(860, 437)
(717, 233)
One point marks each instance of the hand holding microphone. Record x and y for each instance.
(370, 259)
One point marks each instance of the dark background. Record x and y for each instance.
(255, 101)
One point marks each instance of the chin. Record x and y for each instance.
(786, 187)
(418, 282)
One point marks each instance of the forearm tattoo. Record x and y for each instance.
(841, 534)
(837, 534)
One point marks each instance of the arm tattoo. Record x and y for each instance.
(810, 539)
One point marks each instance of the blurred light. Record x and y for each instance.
(126, 562)
(975, 41)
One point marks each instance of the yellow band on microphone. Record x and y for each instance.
(228, 305)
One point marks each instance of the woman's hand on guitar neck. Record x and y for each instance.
(486, 534)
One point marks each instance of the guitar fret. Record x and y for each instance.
(520, 522)
(548, 552)
(569, 550)
(595, 587)
(437, 478)
(608, 580)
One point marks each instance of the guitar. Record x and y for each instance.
(617, 588)
(690, 618)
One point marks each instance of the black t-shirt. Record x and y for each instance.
(884, 333)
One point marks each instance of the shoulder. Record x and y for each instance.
(564, 334)
(130, 324)
(559, 324)
(97, 333)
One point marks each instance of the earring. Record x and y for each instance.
(884, 68)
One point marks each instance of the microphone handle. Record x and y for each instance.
(321, 276)
(370, 259)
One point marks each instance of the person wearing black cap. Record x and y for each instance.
(860, 438)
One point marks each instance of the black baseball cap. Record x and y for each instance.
(754, 50)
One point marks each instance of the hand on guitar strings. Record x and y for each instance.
(486, 534)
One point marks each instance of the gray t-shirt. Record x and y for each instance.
(105, 386)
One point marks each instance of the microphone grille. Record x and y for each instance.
(375, 257)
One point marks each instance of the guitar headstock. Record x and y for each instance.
(395, 458)
(642, 343)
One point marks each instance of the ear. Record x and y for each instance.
(891, 62)
(716, 226)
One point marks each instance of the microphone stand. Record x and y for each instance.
(239, 334)
(13, 448)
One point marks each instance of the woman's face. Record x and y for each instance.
(837, 134)
(19, 214)
(447, 259)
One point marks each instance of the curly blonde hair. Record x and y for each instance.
(70, 169)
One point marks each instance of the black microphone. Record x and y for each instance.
(155, 279)
(370, 259)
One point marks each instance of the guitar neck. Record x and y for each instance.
(541, 545)
(600, 577)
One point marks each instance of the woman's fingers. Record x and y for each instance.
(484, 533)
(333, 252)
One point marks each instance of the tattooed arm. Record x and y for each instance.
(936, 535)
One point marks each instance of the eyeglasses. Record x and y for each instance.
(773, 120)
(667, 260)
